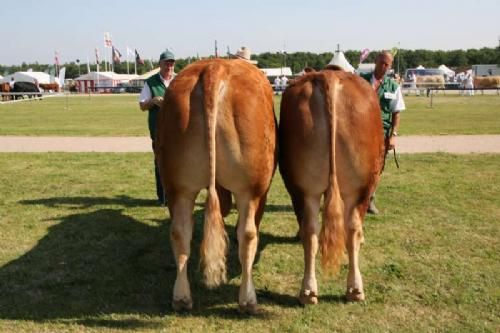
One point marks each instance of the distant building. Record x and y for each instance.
(273, 72)
(486, 70)
(101, 81)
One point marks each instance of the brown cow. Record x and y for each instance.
(217, 128)
(5, 88)
(49, 86)
(487, 82)
(430, 81)
(331, 145)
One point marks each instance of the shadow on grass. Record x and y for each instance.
(105, 262)
(87, 202)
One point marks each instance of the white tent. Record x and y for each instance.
(365, 68)
(340, 60)
(280, 71)
(420, 67)
(92, 80)
(30, 77)
(446, 70)
(139, 80)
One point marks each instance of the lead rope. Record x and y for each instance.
(396, 158)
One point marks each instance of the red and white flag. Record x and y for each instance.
(364, 55)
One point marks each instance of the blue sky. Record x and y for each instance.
(190, 27)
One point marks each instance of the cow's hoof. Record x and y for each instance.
(183, 304)
(249, 308)
(355, 295)
(308, 297)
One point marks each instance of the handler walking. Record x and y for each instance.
(391, 104)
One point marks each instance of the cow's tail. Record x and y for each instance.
(332, 239)
(215, 242)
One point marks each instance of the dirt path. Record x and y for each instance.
(457, 144)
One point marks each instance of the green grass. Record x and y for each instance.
(97, 115)
(451, 115)
(115, 115)
(84, 248)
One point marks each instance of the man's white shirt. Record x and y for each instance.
(146, 91)
(397, 103)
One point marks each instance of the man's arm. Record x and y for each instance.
(395, 123)
(146, 102)
(397, 106)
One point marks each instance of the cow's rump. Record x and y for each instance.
(331, 145)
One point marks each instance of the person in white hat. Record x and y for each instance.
(244, 53)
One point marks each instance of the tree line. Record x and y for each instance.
(456, 59)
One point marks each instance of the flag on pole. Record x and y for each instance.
(116, 55)
(97, 62)
(130, 52)
(107, 40)
(88, 65)
(56, 58)
(394, 51)
(138, 59)
(364, 55)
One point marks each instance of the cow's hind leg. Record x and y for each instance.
(247, 247)
(354, 228)
(309, 234)
(181, 230)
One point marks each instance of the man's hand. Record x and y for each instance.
(390, 143)
(157, 100)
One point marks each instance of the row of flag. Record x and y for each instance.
(115, 53)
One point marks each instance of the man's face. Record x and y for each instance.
(382, 64)
(167, 67)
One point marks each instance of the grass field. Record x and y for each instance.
(114, 115)
(84, 248)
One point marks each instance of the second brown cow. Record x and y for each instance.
(331, 146)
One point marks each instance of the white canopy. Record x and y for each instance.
(366, 68)
(148, 74)
(95, 76)
(446, 70)
(30, 77)
(280, 71)
(420, 67)
(340, 60)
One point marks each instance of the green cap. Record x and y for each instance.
(167, 55)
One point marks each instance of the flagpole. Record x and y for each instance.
(398, 59)
(127, 60)
(97, 67)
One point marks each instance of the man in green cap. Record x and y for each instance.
(151, 98)
(391, 104)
